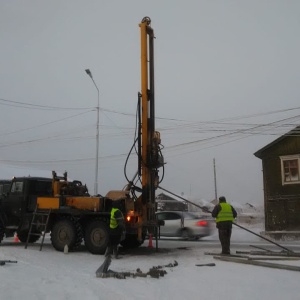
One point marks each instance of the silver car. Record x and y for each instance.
(184, 224)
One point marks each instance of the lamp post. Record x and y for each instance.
(97, 135)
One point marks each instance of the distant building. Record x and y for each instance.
(167, 202)
(281, 180)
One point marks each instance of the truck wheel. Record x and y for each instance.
(96, 236)
(186, 234)
(66, 231)
(22, 235)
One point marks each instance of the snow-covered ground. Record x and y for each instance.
(49, 274)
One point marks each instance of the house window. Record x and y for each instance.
(290, 169)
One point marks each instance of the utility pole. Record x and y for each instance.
(215, 180)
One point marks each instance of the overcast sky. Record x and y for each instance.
(226, 80)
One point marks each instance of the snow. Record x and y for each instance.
(49, 274)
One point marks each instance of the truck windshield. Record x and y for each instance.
(17, 187)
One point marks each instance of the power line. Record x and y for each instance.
(230, 134)
(44, 124)
(79, 160)
(37, 106)
(254, 130)
(248, 131)
(48, 107)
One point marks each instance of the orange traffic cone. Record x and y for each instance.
(16, 239)
(150, 241)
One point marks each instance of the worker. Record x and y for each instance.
(224, 214)
(116, 229)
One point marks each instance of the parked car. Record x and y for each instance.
(184, 224)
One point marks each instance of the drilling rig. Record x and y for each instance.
(35, 206)
(150, 159)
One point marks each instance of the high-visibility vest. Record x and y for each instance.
(225, 214)
(113, 221)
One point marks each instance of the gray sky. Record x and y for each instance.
(222, 70)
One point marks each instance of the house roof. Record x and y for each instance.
(168, 197)
(293, 132)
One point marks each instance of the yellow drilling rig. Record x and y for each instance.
(35, 206)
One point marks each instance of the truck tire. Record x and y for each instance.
(66, 231)
(22, 236)
(186, 234)
(96, 236)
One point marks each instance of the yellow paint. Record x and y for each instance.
(85, 203)
(144, 92)
(48, 202)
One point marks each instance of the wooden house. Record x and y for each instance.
(281, 181)
(168, 202)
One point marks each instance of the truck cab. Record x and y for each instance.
(20, 199)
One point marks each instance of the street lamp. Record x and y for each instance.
(97, 135)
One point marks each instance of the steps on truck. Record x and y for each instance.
(45, 214)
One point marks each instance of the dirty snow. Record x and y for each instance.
(49, 274)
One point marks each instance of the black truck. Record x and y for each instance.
(33, 206)
(17, 203)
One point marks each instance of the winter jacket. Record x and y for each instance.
(116, 224)
(224, 214)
